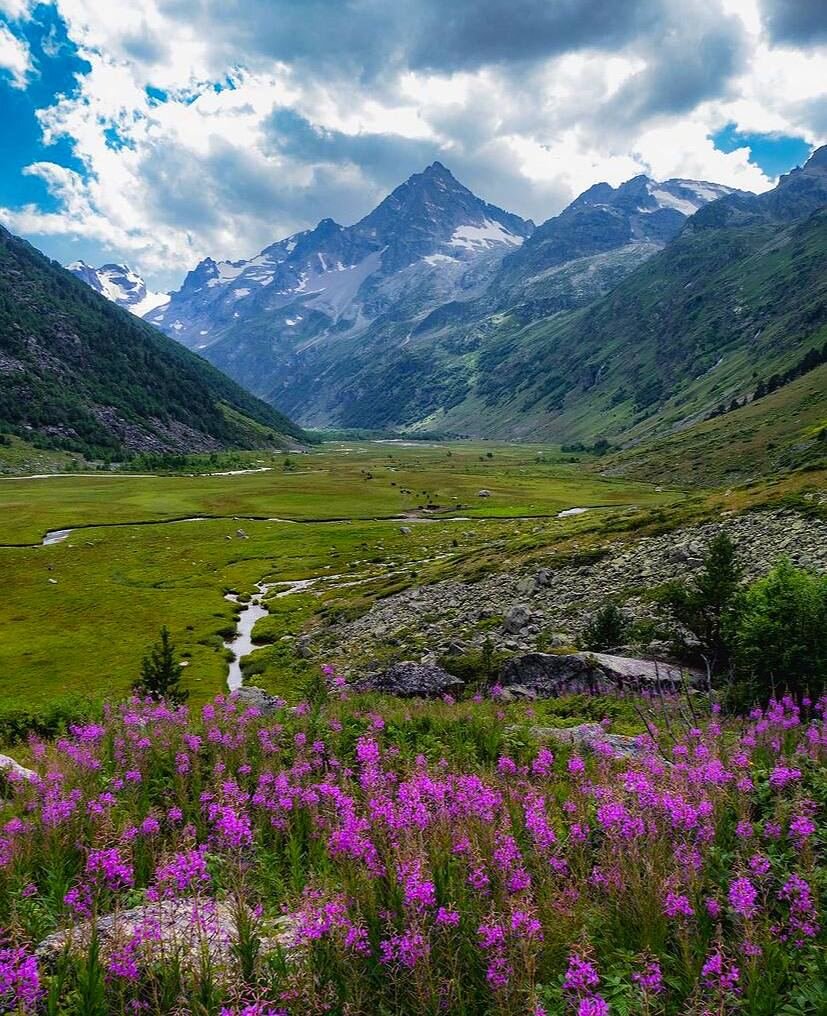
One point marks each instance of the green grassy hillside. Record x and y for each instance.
(784, 430)
(700, 324)
(80, 374)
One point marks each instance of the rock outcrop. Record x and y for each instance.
(548, 675)
(411, 680)
(592, 737)
(11, 769)
(183, 928)
(250, 696)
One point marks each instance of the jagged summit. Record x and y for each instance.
(120, 284)
(330, 321)
(339, 277)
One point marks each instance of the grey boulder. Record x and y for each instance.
(550, 675)
(516, 619)
(250, 696)
(410, 680)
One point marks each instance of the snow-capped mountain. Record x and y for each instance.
(376, 324)
(119, 284)
(429, 241)
(600, 237)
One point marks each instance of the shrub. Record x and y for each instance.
(606, 630)
(780, 633)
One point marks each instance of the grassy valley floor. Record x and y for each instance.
(77, 615)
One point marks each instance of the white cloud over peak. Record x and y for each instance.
(216, 128)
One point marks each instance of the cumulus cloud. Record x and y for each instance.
(796, 22)
(16, 9)
(15, 58)
(215, 128)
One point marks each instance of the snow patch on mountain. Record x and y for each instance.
(121, 285)
(489, 234)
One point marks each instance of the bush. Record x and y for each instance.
(706, 606)
(779, 638)
(48, 720)
(606, 630)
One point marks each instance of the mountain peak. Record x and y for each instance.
(437, 169)
(120, 284)
(817, 158)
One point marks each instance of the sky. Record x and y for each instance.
(159, 132)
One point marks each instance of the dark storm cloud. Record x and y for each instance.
(388, 156)
(797, 22)
(367, 37)
(465, 34)
(188, 191)
(685, 68)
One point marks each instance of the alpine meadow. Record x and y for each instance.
(413, 508)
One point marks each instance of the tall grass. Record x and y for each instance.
(414, 858)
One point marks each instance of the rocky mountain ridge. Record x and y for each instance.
(326, 322)
(120, 284)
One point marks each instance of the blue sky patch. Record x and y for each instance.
(56, 65)
(773, 153)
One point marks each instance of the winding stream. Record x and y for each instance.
(242, 644)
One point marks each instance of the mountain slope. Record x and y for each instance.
(378, 324)
(79, 373)
(429, 241)
(605, 232)
(739, 296)
(119, 284)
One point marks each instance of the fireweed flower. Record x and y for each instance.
(184, 871)
(676, 905)
(593, 1005)
(802, 828)
(719, 976)
(759, 864)
(447, 918)
(581, 976)
(20, 988)
(782, 776)
(650, 978)
(110, 868)
(742, 896)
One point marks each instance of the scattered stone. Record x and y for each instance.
(405, 530)
(483, 493)
(410, 679)
(566, 598)
(241, 534)
(250, 696)
(516, 619)
(303, 650)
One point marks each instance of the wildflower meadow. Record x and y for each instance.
(359, 855)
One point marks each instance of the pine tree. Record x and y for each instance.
(161, 673)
